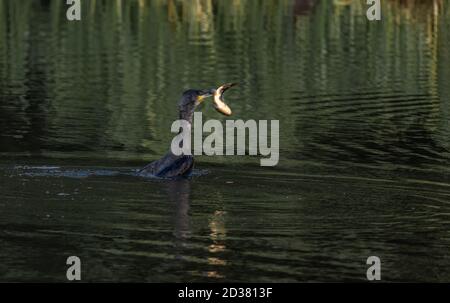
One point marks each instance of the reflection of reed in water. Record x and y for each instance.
(120, 75)
(418, 10)
(217, 236)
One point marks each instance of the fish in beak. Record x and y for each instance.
(219, 102)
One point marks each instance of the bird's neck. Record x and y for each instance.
(187, 114)
(188, 126)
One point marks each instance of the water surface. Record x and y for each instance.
(364, 116)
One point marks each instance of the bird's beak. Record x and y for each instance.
(205, 94)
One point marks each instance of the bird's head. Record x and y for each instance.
(190, 100)
(194, 97)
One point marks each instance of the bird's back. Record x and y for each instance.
(169, 166)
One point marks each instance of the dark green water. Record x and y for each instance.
(364, 165)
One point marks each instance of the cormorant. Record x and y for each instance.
(171, 165)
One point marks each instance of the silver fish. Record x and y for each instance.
(219, 102)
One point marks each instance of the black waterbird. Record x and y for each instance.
(171, 165)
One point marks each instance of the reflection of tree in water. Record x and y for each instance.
(303, 7)
(23, 78)
(114, 79)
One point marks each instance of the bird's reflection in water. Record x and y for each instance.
(179, 194)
